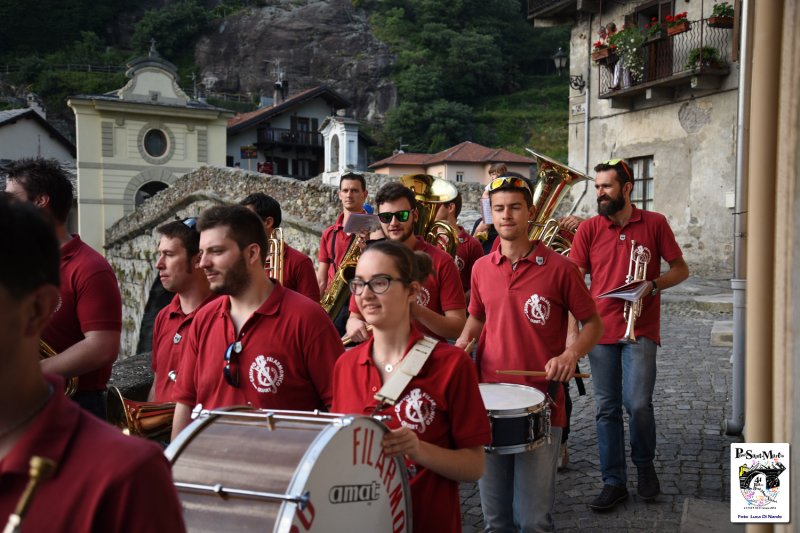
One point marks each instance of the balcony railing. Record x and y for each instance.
(289, 138)
(549, 8)
(671, 60)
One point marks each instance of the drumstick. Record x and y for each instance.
(347, 338)
(470, 344)
(535, 373)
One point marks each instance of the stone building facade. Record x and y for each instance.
(676, 124)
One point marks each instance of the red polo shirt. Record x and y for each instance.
(105, 481)
(604, 250)
(526, 310)
(169, 330)
(442, 290)
(442, 405)
(89, 301)
(333, 245)
(298, 273)
(289, 347)
(468, 251)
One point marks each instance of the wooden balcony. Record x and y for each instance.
(667, 65)
(284, 138)
(553, 9)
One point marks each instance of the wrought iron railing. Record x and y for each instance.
(289, 137)
(700, 49)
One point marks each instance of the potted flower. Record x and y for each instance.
(628, 43)
(721, 16)
(677, 23)
(653, 29)
(704, 56)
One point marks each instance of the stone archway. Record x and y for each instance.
(161, 175)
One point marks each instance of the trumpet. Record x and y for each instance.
(274, 263)
(40, 469)
(637, 267)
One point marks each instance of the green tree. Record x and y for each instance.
(175, 29)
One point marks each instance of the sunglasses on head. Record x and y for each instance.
(402, 216)
(231, 369)
(508, 182)
(619, 163)
(190, 222)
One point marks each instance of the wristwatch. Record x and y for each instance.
(654, 290)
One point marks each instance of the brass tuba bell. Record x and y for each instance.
(150, 420)
(430, 193)
(553, 182)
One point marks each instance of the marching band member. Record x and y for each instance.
(438, 422)
(625, 374)
(259, 344)
(180, 273)
(93, 478)
(334, 243)
(440, 308)
(469, 248)
(85, 328)
(298, 269)
(520, 300)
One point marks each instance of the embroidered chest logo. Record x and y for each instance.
(416, 410)
(177, 338)
(424, 297)
(58, 307)
(459, 263)
(537, 309)
(266, 374)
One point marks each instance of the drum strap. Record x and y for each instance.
(410, 367)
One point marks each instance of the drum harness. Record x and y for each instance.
(410, 366)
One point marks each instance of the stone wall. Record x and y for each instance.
(308, 208)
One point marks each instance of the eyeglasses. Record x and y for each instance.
(402, 216)
(619, 163)
(508, 182)
(190, 222)
(378, 285)
(231, 368)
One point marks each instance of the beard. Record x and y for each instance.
(408, 231)
(234, 281)
(613, 205)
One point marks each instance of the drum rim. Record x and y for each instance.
(512, 413)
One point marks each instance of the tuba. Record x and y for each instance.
(553, 182)
(46, 351)
(274, 263)
(430, 193)
(338, 293)
(150, 420)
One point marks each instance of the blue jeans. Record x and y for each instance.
(518, 491)
(624, 374)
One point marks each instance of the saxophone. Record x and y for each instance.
(337, 294)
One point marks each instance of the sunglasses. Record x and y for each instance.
(231, 368)
(190, 222)
(619, 163)
(378, 285)
(402, 216)
(505, 182)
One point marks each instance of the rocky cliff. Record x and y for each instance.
(315, 41)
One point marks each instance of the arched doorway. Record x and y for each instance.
(148, 190)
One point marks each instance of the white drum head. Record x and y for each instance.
(502, 397)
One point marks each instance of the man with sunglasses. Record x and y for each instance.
(85, 328)
(522, 294)
(624, 373)
(298, 270)
(180, 273)
(99, 479)
(469, 248)
(440, 309)
(260, 344)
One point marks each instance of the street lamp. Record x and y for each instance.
(560, 60)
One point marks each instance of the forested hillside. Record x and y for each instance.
(464, 69)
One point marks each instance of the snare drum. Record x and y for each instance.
(519, 415)
(242, 469)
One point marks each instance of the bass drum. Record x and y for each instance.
(242, 469)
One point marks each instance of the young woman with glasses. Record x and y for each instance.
(438, 424)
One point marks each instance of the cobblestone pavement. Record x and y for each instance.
(691, 400)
